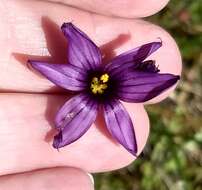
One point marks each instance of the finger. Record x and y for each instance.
(26, 137)
(25, 31)
(48, 179)
(126, 8)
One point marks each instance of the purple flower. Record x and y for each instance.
(128, 77)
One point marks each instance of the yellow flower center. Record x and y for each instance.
(99, 85)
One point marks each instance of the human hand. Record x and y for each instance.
(28, 104)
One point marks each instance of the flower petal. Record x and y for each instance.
(142, 86)
(64, 75)
(74, 119)
(136, 55)
(68, 110)
(120, 125)
(146, 66)
(82, 52)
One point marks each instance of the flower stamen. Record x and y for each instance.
(99, 85)
(104, 78)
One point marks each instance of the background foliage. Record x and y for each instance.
(172, 159)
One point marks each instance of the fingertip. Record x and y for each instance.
(127, 8)
(48, 179)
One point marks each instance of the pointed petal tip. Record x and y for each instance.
(29, 61)
(82, 51)
(32, 63)
(57, 142)
(157, 45)
(67, 27)
(56, 145)
(120, 126)
(175, 78)
(160, 41)
(74, 119)
(133, 151)
(66, 24)
(146, 86)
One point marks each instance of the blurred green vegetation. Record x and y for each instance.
(172, 159)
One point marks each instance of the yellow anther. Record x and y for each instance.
(104, 78)
(99, 85)
(95, 81)
(98, 88)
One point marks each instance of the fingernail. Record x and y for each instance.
(91, 178)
